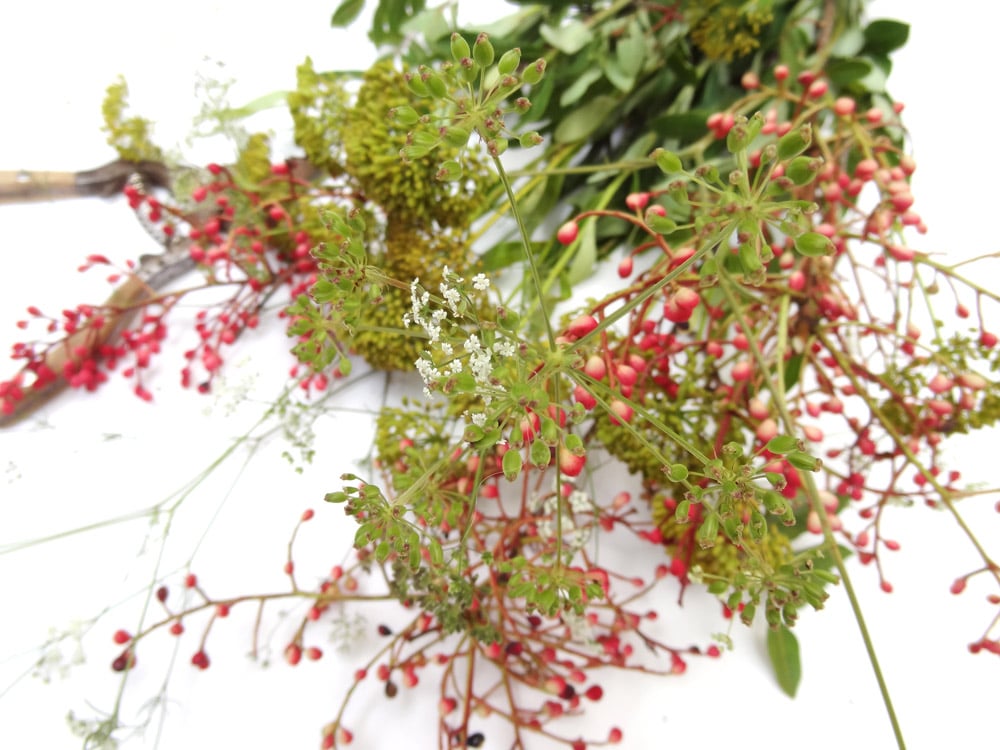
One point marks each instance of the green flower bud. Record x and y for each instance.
(459, 47)
(534, 72)
(509, 61)
(678, 473)
(482, 51)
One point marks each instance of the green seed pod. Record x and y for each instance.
(682, 512)
(749, 259)
(531, 139)
(754, 126)
(511, 464)
(482, 51)
(436, 85)
(802, 460)
(540, 454)
(417, 86)
(758, 526)
(707, 532)
(456, 136)
(814, 244)
(660, 224)
(667, 161)
(802, 170)
(678, 473)
(748, 613)
(790, 613)
(738, 137)
(794, 142)
(459, 47)
(449, 171)
(509, 61)
(550, 431)
(496, 146)
(773, 617)
(775, 504)
(404, 115)
(534, 72)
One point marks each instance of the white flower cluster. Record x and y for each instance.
(443, 359)
(576, 536)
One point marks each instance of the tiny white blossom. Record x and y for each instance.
(479, 419)
(504, 348)
(480, 282)
(578, 501)
(447, 349)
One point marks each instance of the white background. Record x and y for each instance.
(92, 458)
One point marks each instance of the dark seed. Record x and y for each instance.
(475, 740)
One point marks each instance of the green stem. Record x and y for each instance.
(776, 386)
(529, 256)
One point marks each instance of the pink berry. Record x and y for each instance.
(568, 232)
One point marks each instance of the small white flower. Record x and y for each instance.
(480, 282)
(447, 349)
(479, 419)
(504, 348)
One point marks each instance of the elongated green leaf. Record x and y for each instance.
(783, 648)
(585, 257)
(584, 120)
(346, 13)
(570, 39)
(579, 87)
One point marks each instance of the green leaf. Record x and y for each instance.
(570, 38)
(783, 648)
(584, 120)
(585, 255)
(631, 51)
(843, 72)
(793, 367)
(579, 87)
(886, 35)
(346, 13)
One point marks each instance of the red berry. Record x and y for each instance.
(200, 660)
(568, 232)
(594, 692)
(121, 637)
(293, 653)
(190, 580)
